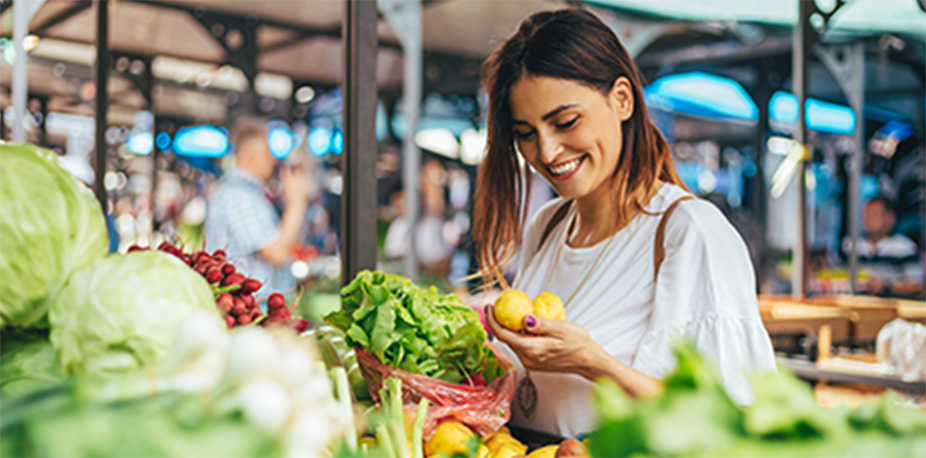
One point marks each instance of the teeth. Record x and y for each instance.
(566, 168)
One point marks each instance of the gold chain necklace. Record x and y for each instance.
(527, 391)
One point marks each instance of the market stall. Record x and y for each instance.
(172, 350)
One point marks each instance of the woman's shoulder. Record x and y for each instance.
(696, 218)
(545, 213)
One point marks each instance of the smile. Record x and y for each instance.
(566, 170)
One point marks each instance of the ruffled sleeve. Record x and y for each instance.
(705, 291)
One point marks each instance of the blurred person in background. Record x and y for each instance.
(431, 248)
(891, 258)
(241, 217)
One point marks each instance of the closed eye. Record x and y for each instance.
(567, 124)
(523, 135)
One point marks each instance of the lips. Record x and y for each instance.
(565, 170)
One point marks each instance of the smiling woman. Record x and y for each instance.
(566, 96)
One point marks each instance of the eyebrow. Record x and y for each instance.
(551, 114)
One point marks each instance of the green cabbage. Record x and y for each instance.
(122, 312)
(50, 226)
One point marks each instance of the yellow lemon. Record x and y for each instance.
(511, 307)
(548, 305)
(450, 438)
(544, 452)
(482, 451)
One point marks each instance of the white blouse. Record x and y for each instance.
(705, 291)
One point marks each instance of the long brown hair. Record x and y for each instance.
(570, 44)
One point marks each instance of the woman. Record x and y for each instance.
(635, 265)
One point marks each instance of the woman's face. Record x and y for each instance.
(569, 132)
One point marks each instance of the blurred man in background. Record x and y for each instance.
(892, 259)
(242, 219)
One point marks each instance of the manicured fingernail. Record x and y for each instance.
(530, 321)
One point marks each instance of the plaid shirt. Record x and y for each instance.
(241, 220)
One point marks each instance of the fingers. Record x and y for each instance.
(504, 334)
(537, 326)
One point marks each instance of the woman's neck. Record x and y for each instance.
(598, 219)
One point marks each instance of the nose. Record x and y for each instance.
(550, 147)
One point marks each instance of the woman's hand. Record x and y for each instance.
(562, 346)
(551, 346)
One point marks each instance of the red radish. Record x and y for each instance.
(244, 320)
(225, 302)
(248, 300)
(301, 324)
(233, 279)
(229, 321)
(276, 301)
(214, 275)
(240, 307)
(228, 269)
(250, 285)
(218, 254)
(165, 246)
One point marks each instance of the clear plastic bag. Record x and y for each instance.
(483, 408)
(902, 344)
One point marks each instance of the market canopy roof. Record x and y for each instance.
(857, 18)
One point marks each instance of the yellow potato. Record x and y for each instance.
(498, 441)
(511, 307)
(544, 452)
(507, 451)
(451, 437)
(548, 305)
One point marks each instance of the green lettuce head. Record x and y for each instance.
(50, 226)
(123, 312)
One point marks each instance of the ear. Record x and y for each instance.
(621, 96)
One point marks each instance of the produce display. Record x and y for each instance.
(254, 392)
(50, 225)
(171, 353)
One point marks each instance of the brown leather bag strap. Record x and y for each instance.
(557, 217)
(659, 253)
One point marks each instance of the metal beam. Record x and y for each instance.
(61, 16)
(847, 64)
(358, 199)
(102, 101)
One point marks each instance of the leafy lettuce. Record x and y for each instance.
(414, 329)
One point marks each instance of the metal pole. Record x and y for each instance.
(405, 17)
(101, 79)
(20, 25)
(802, 36)
(358, 199)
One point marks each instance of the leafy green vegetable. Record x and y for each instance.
(695, 417)
(60, 422)
(27, 362)
(122, 312)
(50, 225)
(414, 329)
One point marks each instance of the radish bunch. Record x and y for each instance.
(233, 291)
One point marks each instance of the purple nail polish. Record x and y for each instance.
(530, 321)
